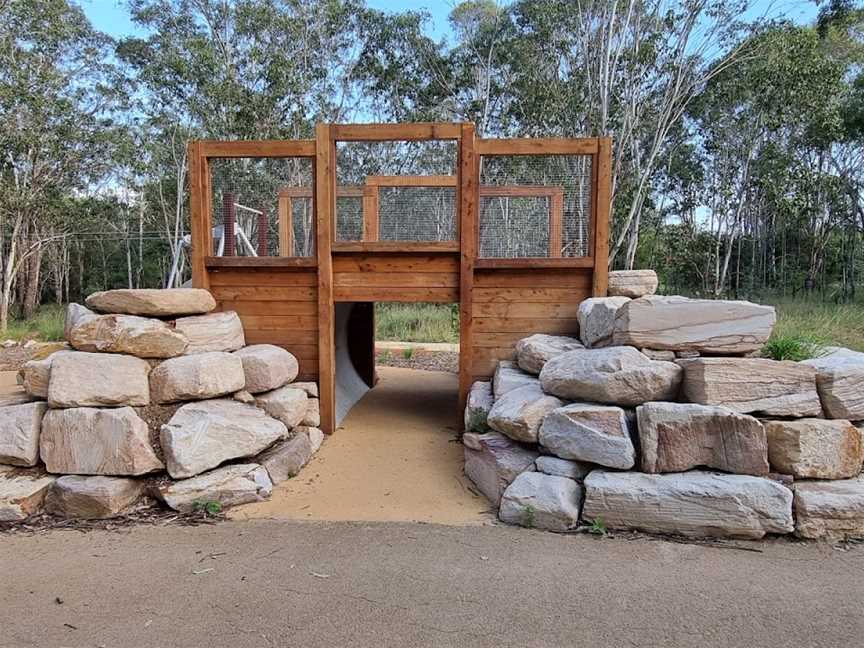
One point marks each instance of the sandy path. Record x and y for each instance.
(394, 459)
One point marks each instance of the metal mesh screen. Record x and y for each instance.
(260, 193)
(410, 184)
(535, 206)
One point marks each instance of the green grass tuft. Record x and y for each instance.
(792, 348)
(46, 325)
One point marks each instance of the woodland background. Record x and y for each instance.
(738, 139)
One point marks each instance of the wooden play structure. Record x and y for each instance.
(301, 238)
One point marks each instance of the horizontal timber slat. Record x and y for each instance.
(251, 279)
(244, 293)
(290, 338)
(535, 263)
(526, 310)
(393, 132)
(393, 263)
(395, 246)
(533, 278)
(399, 294)
(249, 264)
(279, 322)
(397, 279)
(257, 307)
(526, 326)
(531, 295)
(258, 148)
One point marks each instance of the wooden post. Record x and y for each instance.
(469, 181)
(325, 197)
(200, 224)
(602, 206)
(228, 220)
(371, 221)
(263, 232)
(556, 223)
(286, 226)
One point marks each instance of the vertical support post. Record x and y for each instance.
(325, 199)
(286, 226)
(556, 223)
(201, 234)
(263, 232)
(469, 182)
(370, 212)
(228, 220)
(602, 206)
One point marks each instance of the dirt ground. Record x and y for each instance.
(395, 458)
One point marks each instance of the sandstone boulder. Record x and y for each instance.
(563, 467)
(679, 436)
(815, 448)
(493, 461)
(632, 283)
(36, 375)
(614, 375)
(213, 332)
(89, 441)
(316, 436)
(832, 509)
(312, 418)
(225, 487)
(536, 350)
(480, 401)
(591, 433)
(75, 314)
(767, 387)
(19, 433)
(519, 412)
(703, 325)
(203, 435)
(311, 388)
(285, 459)
(22, 493)
(508, 376)
(840, 382)
(597, 320)
(196, 377)
(696, 503)
(86, 498)
(541, 501)
(267, 367)
(285, 404)
(98, 379)
(172, 302)
(138, 336)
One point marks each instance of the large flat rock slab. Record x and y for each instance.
(590, 433)
(90, 441)
(632, 283)
(830, 509)
(536, 350)
(213, 332)
(679, 436)
(696, 503)
(519, 412)
(614, 375)
(143, 337)
(171, 302)
(267, 367)
(541, 501)
(225, 487)
(758, 385)
(815, 448)
(19, 433)
(493, 461)
(203, 435)
(703, 325)
(91, 498)
(98, 380)
(197, 377)
(22, 493)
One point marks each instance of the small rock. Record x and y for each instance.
(815, 448)
(493, 463)
(214, 332)
(577, 470)
(172, 302)
(285, 404)
(536, 350)
(519, 412)
(312, 418)
(267, 367)
(285, 459)
(316, 436)
(632, 283)
(310, 388)
(541, 501)
(244, 396)
(655, 354)
(204, 375)
(832, 509)
(592, 433)
(22, 493)
(695, 503)
(98, 379)
(596, 317)
(480, 401)
(509, 377)
(19, 433)
(226, 487)
(203, 435)
(86, 498)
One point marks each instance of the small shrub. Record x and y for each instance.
(790, 347)
(528, 517)
(207, 508)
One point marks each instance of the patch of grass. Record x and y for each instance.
(792, 348)
(209, 507)
(598, 527)
(45, 325)
(417, 322)
(528, 515)
(806, 326)
(408, 353)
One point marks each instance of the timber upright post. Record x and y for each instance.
(468, 235)
(325, 198)
(602, 197)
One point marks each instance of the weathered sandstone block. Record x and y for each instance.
(519, 412)
(840, 382)
(172, 302)
(767, 387)
(196, 377)
(704, 325)
(98, 379)
(227, 486)
(311, 388)
(563, 467)
(536, 350)
(693, 503)
(312, 417)
(213, 332)
(615, 375)
(285, 459)
(508, 376)
(203, 435)
(493, 461)
(285, 404)
(597, 320)
(632, 283)
(138, 336)
(830, 509)
(541, 501)
(267, 367)
(36, 375)
(679, 436)
(815, 448)
(89, 441)
(480, 401)
(19, 433)
(22, 493)
(85, 498)
(587, 432)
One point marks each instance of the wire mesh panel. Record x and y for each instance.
(407, 191)
(535, 206)
(262, 206)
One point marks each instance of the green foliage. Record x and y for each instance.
(818, 324)
(46, 325)
(597, 527)
(408, 353)
(791, 348)
(208, 508)
(528, 516)
(416, 323)
(477, 422)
